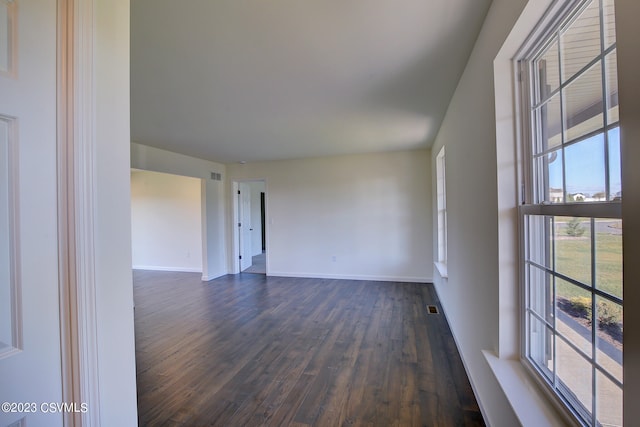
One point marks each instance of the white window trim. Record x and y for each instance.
(504, 360)
(506, 349)
(532, 405)
(441, 214)
(534, 205)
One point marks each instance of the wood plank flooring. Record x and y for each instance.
(251, 350)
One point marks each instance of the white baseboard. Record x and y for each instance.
(407, 279)
(162, 268)
(213, 276)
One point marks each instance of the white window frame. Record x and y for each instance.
(534, 205)
(441, 204)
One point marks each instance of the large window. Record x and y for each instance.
(570, 217)
(441, 201)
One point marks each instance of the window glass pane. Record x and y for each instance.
(609, 337)
(580, 43)
(548, 72)
(583, 107)
(609, 402)
(585, 175)
(611, 75)
(615, 179)
(539, 235)
(609, 23)
(574, 315)
(572, 237)
(541, 346)
(541, 293)
(442, 240)
(548, 176)
(549, 131)
(608, 239)
(575, 378)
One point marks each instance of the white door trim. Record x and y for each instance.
(76, 209)
(235, 215)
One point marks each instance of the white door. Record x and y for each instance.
(30, 373)
(244, 204)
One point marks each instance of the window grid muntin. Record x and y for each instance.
(593, 288)
(535, 90)
(561, 390)
(564, 84)
(595, 291)
(596, 367)
(536, 160)
(577, 140)
(541, 39)
(552, 376)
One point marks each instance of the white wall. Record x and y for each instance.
(114, 290)
(370, 212)
(214, 245)
(166, 222)
(360, 216)
(470, 296)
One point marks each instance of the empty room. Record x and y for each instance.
(319, 213)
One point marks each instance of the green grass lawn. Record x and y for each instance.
(573, 259)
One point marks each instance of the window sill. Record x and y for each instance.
(529, 402)
(442, 269)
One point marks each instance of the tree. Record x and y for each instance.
(575, 228)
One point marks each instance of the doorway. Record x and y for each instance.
(250, 213)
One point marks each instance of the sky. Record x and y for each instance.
(585, 165)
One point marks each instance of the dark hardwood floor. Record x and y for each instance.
(251, 350)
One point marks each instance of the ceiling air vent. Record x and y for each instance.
(216, 176)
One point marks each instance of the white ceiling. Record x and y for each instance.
(249, 80)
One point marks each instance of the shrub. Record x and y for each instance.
(581, 306)
(575, 228)
(607, 316)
